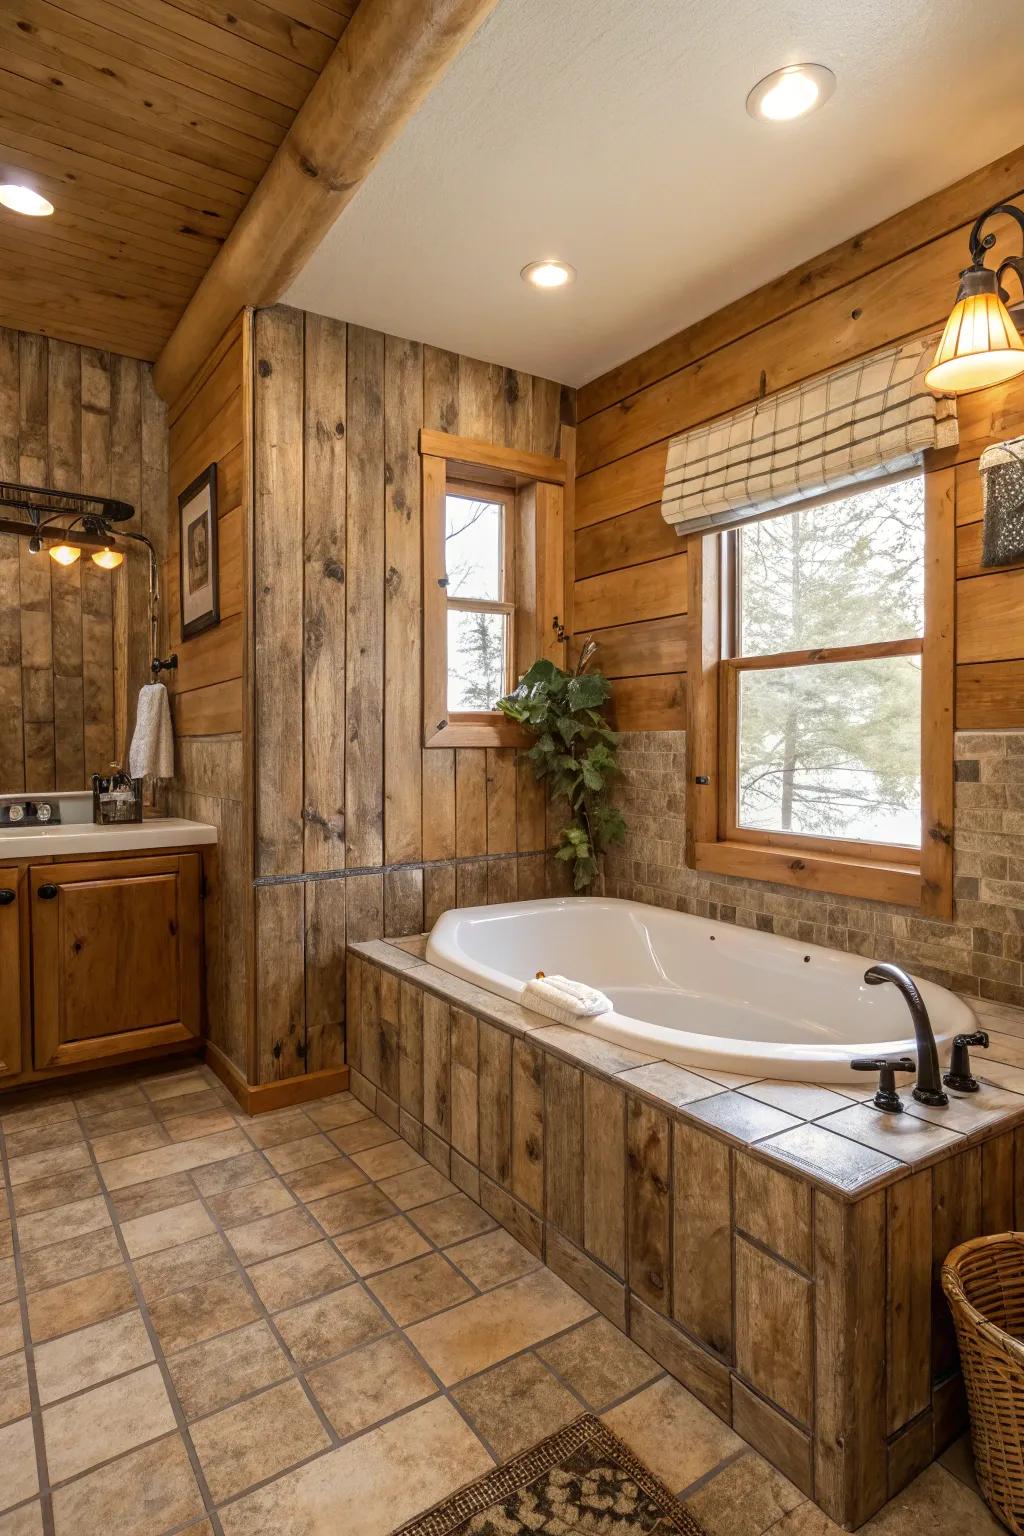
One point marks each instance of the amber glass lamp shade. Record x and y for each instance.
(107, 559)
(980, 346)
(65, 554)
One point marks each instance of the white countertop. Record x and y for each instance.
(84, 837)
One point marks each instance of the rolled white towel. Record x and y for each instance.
(563, 1000)
(152, 749)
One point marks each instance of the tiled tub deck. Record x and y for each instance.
(775, 1246)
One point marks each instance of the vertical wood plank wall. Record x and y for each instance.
(359, 831)
(74, 640)
(207, 425)
(895, 280)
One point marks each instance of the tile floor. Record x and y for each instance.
(293, 1325)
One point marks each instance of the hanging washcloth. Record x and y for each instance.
(1002, 486)
(152, 749)
(564, 1000)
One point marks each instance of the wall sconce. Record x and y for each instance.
(981, 344)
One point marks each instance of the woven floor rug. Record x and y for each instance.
(581, 1481)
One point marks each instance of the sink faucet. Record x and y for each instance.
(928, 1089)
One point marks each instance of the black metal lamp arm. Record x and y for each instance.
(980, 243)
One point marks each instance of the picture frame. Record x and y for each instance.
(198, 561)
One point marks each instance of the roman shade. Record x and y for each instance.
(867, 419)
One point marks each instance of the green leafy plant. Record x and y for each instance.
(574, 752)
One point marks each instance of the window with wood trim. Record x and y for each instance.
(820, 713)
(492, 582)
(480, 597)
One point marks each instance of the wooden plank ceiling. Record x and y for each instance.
(147, 124)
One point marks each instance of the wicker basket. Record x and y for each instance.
(984, 1285)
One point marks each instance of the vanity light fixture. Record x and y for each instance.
(107, 559)
(550, 273)
(982, 343)
(65, 554)
(791, 92)
(20, 199)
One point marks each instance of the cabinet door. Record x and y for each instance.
(116, 959)
(13, 950)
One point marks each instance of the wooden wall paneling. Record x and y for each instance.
(389, 1062)
(131, 579)
(708, 1379)
(410, 1072)
(997, 1184)
(604, 1172)
(97, 585)
(774, 1209)
(528, 1148)
(652, 591)
(441, 412)
(403, 901)
(850, 1474)
(437, 1097)
(464, 1085)
(403, 416)
(500, 772)
(774, 1337)
(563, 1147)
(956, 1216)
(12, 731)
(64, 473)
(470, 803)
(36, 620)
(325, 974)
(364, 682)
(280, 982)
(648, 1194)
(439, 890)
(324, 601)
(354, 969)
(702, 1286)
(495, 1086)
(277, 595)
(909, 1308)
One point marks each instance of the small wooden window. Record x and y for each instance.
(480, 597)
(820, 701)
(492, 582)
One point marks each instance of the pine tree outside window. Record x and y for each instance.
(479, 592)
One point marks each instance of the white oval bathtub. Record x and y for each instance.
(696, 992)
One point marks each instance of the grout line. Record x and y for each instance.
(712, 1472)
(35, 1407)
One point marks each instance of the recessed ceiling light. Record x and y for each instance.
(23, 200)
(791, 92)
(548, 274)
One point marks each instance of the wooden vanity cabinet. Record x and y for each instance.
(13, 967)
(116, 956)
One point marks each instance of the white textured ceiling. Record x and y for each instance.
(613, 133)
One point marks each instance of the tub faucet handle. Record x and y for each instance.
(960, 1075)
(886, 1096)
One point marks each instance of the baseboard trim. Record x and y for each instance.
(260, 1098)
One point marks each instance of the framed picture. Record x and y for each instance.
(197, 545)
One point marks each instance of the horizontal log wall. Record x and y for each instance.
(895, 280)
(207, 427)
(358, 829)
(74, 640)
(812, 1322)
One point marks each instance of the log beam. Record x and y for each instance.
(389, 57)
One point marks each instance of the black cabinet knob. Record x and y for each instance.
(47, 892)
(6, 897)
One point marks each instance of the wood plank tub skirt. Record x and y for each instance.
(582, 1479)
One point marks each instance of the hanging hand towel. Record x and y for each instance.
(152, 750)
(563, 1000)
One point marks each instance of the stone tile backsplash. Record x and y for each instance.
(979, 953)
